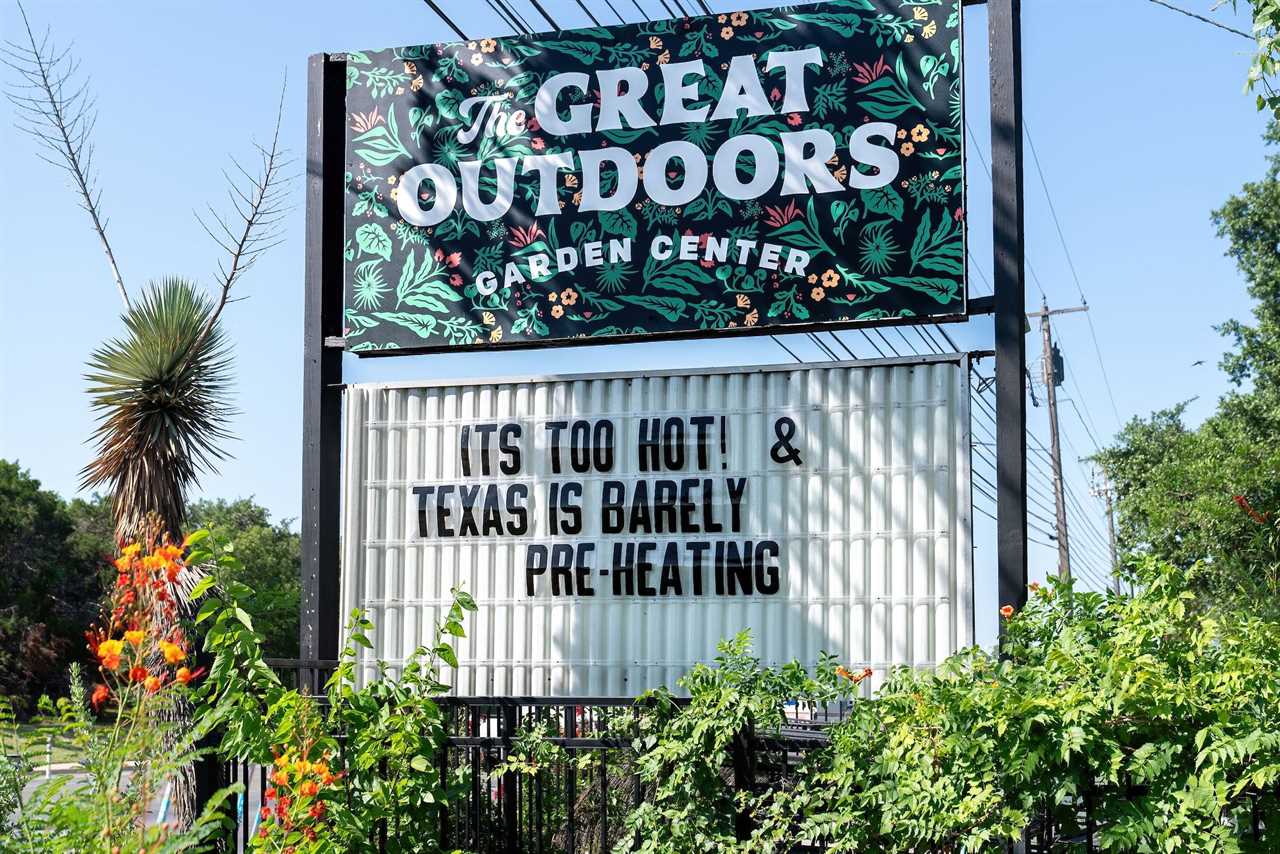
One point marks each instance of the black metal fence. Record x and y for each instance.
(577, 799)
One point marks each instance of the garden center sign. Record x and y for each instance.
(741, 172)
(613, 528)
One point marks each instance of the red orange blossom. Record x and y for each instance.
(140, 640)
(294, 802)
(856, 678)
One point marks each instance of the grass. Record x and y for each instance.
(37, 731)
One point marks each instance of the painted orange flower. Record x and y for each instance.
(907, 149)
(360, 123)
(557, 311)
(568, 296)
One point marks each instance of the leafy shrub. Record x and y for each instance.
(1162, 714)
(363, 764)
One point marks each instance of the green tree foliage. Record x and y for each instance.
(49, 586)
(1266, 29)
(1212, 493)
(269, 560)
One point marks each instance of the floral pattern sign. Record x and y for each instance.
(757, 171)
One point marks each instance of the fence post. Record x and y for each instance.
(740, 750)
(442, 759)
(510, 794)
(570, 785)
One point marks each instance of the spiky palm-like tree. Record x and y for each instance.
(162, 396)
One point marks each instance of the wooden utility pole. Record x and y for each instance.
(1111, 539)
(1051, 382)
(1105, 492)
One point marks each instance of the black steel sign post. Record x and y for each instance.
(1008, 244)
(322, 359)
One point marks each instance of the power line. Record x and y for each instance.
(583, 7)
(543, 12)
(1210, 21)
(1053, 212)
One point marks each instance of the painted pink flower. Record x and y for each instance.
(776, 217)
(521, 237)
(865, 72)
(794, 120)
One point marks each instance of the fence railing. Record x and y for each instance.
(577, 801)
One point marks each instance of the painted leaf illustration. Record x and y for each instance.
(682, 277)
(672, 308)
(885, 200)
(373, 240)
(846, 24)
(424, 286)
(937, 249)
(619, 223)
(447, 102)
(586, 52)
(889, 97)
(942, 290)
(422, 325)
(803, 233)
(381, 145)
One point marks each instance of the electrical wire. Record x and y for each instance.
(1203, 19)
(543, 12)
(583, 7)
(1071, 265)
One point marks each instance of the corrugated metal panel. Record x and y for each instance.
(873, 527)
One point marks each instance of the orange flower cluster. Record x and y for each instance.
(856, 678)
(294, 803)
(140, 630)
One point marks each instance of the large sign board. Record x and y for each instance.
(614, 528)
(794, 168)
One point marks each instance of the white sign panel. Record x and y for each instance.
(613, 528)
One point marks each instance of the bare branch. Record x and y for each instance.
(259, 204)
(59, 121)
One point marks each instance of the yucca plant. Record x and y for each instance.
(162, 397)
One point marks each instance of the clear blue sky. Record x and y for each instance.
(1136, 112)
